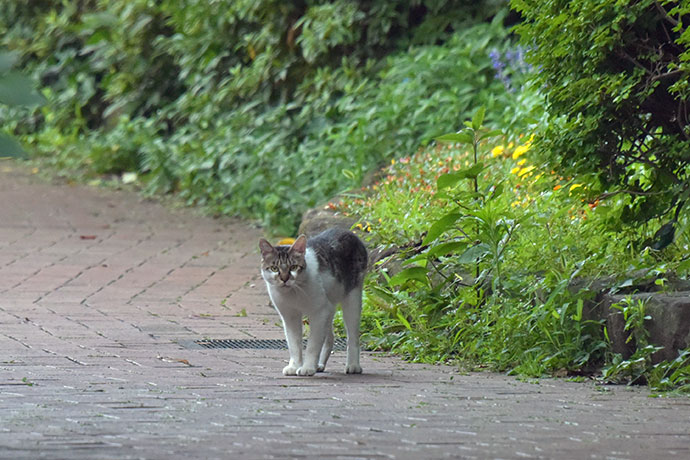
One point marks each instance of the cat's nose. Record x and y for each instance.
(284, 277)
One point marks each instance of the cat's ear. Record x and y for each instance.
(300, 245)
(265, 248)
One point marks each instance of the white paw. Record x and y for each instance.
(320, 368)
(353, 369)
(290, 370)
(306, 370)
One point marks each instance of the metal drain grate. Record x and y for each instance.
(258, 344)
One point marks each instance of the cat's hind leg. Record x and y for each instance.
(326, 349)
(352, 313)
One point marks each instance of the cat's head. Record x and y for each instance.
(282, 265)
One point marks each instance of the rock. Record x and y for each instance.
(669, 326)
(321, 218)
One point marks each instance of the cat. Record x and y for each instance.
(309, 278)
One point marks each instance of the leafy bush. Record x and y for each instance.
(253, 108)
(617, 79)
(489, 245)
(16, 90)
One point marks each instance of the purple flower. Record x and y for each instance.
(511, 64)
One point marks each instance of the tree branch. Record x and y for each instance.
(665, 14)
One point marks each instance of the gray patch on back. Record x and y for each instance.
(342, 254)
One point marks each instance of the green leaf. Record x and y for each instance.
(497, 191)
(440, 226)
(16, 89)
(382, 294)
(474, 253)
(7, 60)
(447, 248)
(473, 171)
(450, 179)
(478, 118)
(494, 133)
(447, 180)
(463, 137)
(10, 147)
(411, 273)
(403, 320)
(578, 314)
(467, 196)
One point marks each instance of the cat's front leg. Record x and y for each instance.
(292, 324)
(318, 329)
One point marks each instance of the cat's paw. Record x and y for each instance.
(306, 370)
(290, 370)
(320, 368)
(353, 369)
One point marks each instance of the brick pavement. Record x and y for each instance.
(99, 289)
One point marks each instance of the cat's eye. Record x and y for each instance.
(274, 268)
(295, 268)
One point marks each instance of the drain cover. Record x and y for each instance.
(257, 344)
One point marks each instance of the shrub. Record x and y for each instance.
(251, 107)
(617, 79)
(493, 258)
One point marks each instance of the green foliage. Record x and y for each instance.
(15, 90)
(635, 368)
(638, 368)
(494, 254)
(259, 108)
(671, 375)
(617, 79)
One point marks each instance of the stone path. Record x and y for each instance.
(101, 290)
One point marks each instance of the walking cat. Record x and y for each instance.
(309, 278)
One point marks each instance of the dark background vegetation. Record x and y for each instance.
(259, 108)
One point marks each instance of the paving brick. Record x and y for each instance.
(101, 291)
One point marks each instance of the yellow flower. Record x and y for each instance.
(574, 186)
(286, 241)
(520, 150)
(497, 151)
(364, 227)
(525, 170)
(522, 162)
(515, 170)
